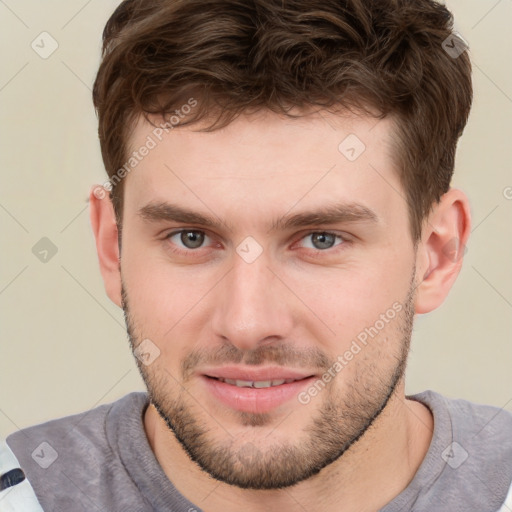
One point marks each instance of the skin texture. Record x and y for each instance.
(298, 305)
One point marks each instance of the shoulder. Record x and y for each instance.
(61, 454)
(470, 455)
(485, 433)
(71, 431)
(469, 420)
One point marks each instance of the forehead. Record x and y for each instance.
(318, 131)
(264, 160)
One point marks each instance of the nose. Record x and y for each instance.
(253, 306)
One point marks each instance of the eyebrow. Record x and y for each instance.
(333, 214)
(328, 215)
(156, 212)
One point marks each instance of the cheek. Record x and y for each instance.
(164, 298)
(350, 298)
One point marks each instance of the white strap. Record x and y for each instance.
(20, 497)
(507, 506)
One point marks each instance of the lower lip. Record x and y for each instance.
(255, 400)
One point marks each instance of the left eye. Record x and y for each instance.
(322, 240)
(191, 239)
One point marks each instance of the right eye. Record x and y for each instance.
(188, 238)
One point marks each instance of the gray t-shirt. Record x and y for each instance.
(101, 460)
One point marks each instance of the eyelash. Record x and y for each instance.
(315, 252)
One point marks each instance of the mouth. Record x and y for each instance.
(258, 384)
(256, 395)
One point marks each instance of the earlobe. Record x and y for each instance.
(104, 226)
(441, 251)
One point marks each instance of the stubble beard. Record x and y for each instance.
(343, 417)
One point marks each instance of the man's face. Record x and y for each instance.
(269, 286)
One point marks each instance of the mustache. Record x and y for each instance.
(281, 355)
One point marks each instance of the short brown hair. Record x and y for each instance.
(235, 56)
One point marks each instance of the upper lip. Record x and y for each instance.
(255, 374)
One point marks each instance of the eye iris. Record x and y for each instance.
(192, 239)
(323, 240)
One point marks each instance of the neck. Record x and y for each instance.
(369, 475)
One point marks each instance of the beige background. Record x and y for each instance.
(63, 344)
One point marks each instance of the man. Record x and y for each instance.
(278, 210)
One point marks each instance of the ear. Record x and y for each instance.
(104, 226)
(441, 250)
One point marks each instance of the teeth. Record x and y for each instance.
(256, 384)
(267, 383)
